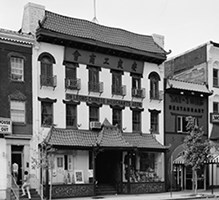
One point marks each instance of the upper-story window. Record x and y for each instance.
(71, 81)
(71, 116)
(46, 66)
(154, 85)
(17, 68)
(137, 90)
(117, 87)
(216, 107)
(136, 121)
(18, 112)
(216, 77)
(93, 113)
(154, 121)
(182, 123)
(117, 117)
(94, 85)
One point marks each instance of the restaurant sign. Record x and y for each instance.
(214, 117)
(5, 126)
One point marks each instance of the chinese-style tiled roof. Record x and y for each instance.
(183, 85)
(111, 137)
(146, 141)
(69, 137)
(13, 36)
(90, 31)
(108, 137)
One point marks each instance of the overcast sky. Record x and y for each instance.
(185, 24)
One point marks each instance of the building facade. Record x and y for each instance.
(200, 65)
(16, 107)
(183, 100)
(97, 106)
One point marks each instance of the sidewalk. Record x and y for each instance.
(201, 194)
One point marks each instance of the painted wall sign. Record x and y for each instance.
(182, 99)
(5, 126)
(214, 118)
(103, 60)
(112, 102)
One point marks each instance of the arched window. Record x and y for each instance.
(46, 66)
(154, 85)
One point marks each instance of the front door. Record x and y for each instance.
(17, 162)
(108, 169)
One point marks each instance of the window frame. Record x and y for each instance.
(116, 82)
(215, 104)
(74, 116)
(154, 122)
(16, 63)
(215, 78)
(137, 122)
(97, 113)
(117, 117)
(49, 114)
(18, 111)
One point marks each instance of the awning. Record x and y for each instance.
(108, 136)
(215, 132)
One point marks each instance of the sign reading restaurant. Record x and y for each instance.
(5, 126)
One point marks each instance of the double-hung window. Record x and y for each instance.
(71, 116)
(46, 113)
(93, 113)
(215, 77)
(94, 85)
(136, 121)
(17, 109)
(154, 121)
(117, 117)
(17, 68)
(117, 83)
(216, 107)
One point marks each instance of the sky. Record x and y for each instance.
(185, 24)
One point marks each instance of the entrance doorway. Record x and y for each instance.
(17, 157)
(108, 168)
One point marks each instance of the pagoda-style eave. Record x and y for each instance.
(187, 92)
(43, 35)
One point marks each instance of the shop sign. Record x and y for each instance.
(214, 117)
(5, 126)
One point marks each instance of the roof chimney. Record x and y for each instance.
(31, 15)
(159, 40)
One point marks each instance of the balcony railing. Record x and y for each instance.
(139, 93)
(95, 87)
(49, 81)
(119, 90)
(156, 95)
(73, 84)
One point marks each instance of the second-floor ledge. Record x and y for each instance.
(119, 90)
(95, 87)
(72, 84)
(48, 81)
(139, 93)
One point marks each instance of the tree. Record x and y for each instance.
(197, 149)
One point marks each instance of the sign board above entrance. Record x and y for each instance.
(214, 118)
(5, 126)
(103, 60)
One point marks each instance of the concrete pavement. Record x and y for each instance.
(202, 194)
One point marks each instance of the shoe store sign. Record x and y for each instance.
(5, 126)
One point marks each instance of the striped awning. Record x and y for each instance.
(213, 159)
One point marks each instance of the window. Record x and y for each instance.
(17, 68)
(46, 113)
(147, 162)
(46, 77)
(17, 111)
(215, 77)
(117, 117)
(71, 116)
(94, 85)
(60, 162)
(136, 82)
(71, 81)
(154, 121)
(136, 120)
(154, 85)
(117, 83)
(216, 107)
(182, 123)
(93, 113)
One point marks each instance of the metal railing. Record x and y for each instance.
(14, 188)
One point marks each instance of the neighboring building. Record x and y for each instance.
(15, 107)
(98, 103)
(182, 100)
(201, 65)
